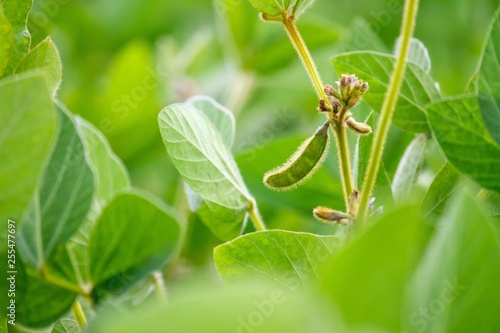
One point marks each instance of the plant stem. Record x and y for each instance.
(407, 28)
(305, 56)
(253, 211)
(344, 161)
(159, 285)
(339, 126)
(79, 315)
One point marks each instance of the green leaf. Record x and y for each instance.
(442, 188)
(417, 90)
(206, 164)
(369, 269)
(455, 288)
(40, 303)
(6, 42)
(409, 169)
(459, 128)
(289, 259)
(302, 164)
(16, 11)
(419, 55)
(221, 118)
(64, 197)
(27, 120)
(276, 8)
(66, 325)
(130, 230)
(248, 308)
(46, 57)
(489, 84)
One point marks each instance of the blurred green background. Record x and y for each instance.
(125, 60)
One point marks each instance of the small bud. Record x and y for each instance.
(336, 105)
(323, 107)
(327, 215)
(359, 128)
(351, 89)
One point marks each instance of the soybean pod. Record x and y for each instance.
(303, 163)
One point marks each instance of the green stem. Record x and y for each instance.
(79, 315)
(253, 211)
(159, 285)
(305, 56)
(339, 127)
(407, 28)
(344, 163)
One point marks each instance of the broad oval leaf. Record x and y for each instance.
(287, 258)
(277, 8)
(63, 200)
(417, 90)
(45, 57)
(459, 128)
(409, 169)
(206, 165)
(456, 282)
(489, 83)
(303, 163)
(28, 119)
(419, 54)
(130, 230)
(221, 118)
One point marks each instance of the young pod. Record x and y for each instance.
(359, 128)
(303, 163)
(330, 216)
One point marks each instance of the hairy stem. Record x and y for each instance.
(339, 126)
(407, 28)
(305, 56)
(79, 315)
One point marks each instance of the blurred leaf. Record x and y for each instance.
(39, 304)
(409, 169)
(459, 128)
(361, 36)
(419, 54)
(6, 42)
(321, 189)
(455, 288)
(418, 88)
(286, 258)
(275, 8)
(222, 119)
(442, 188)
(489, 83)
(257, 309)
(207, 166)
(64, 197)
(66, 325)
(44, 56)
(368, 269)
(16, 11)
(27, 120)
(130, 230)
(110, 177)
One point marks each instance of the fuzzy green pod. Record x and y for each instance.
(303, 163)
